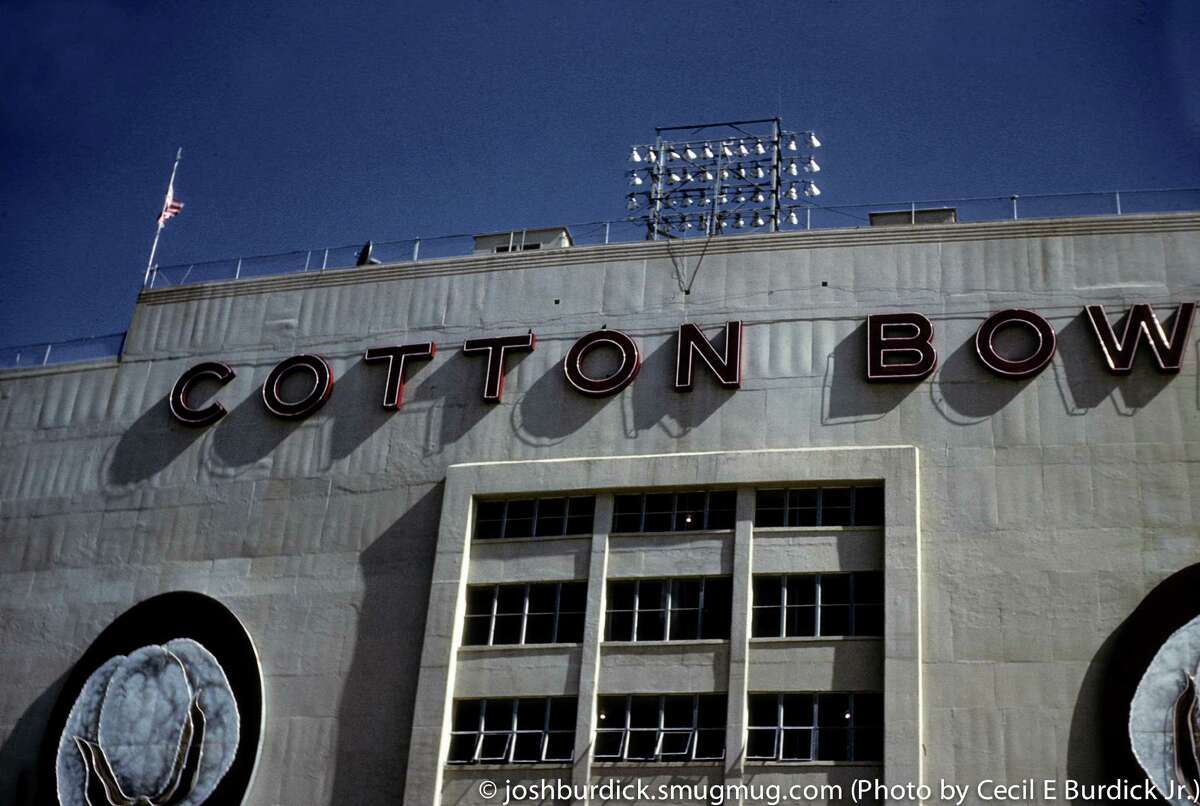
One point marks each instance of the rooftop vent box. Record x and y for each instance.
(523, 240)
(909, 218)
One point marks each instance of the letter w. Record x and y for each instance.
(1120, 353)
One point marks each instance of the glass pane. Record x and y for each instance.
(710, 743)
(497, 715)
(466, 714)
(562, 713)
(643, 711)
(868, 620)
(488, 530)
(835, 620)
(685, 593)
(476, 631)
(660, 502)
(833, 710)
(718, 600)
(868, 744)
(802, 517)
(797, 745)
(627, 523)
(721, 509)
(835, 516)
(651, 594)
(462, 748)
(676, 745)
(710, 711)
(539, 629)
(689, 511)
(801, 622)
(770, 499)
(678, 712)
(766, 622)
(761, 743)
(573, 598)
(542, 598)
(521, 510)
(767, 590)
(570, 628)
(835, 589)
(620, 595)
(489, 511)
(528, 747)
(479, 600)
(651, 626)
(831, 498)
(684, 625)
(868, 587)
(805, 498)
(801, 590)
(619, 626)
(868, 710)
(658, 522)
(868, 506)
(510, 599)
(531, 714)
(764, 518)
(833, 744)
(507, 630)
(642, 744)
(518, 527)
(495, 747)
(764, 710)
(551, 513)
(608, 743)
(560, 746)
(797, 710)
(580, 512)
(610, 712)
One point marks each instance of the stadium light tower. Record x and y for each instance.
(707, 178)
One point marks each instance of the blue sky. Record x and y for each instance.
(312, 124)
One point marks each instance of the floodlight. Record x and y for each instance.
(632, 204)
(742, 150)
(635, 156)
(792, 217)
(738, 221)
(759, 148)
(741, 171)
(810, 165)
(672, 154)
(708, 152)
(810, 140)
(651, 155)
(707, 175)
(758, 219)
(689, 152)
(726, 149)
(759, 197)
(635, 178)
(792, 168)
(675, 175)
(759, 172)
(791, 143)
(792, 192)
(811, 189)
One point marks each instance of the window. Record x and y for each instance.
(517, 247)
(820, 506)
(539, 613)
(668, 609)
(513, 731)
(674, 512)
(650, 727)
(812, 605)
(816, 727)
(534, 517)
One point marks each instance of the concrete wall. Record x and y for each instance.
(1048, 508)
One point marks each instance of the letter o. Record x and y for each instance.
(321, 390)
(1026, 367)
(178, 401)
(631, 362)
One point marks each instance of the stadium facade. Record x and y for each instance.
(637, 512)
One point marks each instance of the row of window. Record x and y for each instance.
(784, 606)
(680, 511)
(826, 726)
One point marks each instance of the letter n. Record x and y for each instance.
(726, 365)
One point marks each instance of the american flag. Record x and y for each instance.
(171, 207)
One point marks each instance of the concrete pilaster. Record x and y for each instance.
(593, 635)
(739, 638)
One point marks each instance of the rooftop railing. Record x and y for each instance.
(416, 250)
(808, 217)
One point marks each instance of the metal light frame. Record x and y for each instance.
(665, 193)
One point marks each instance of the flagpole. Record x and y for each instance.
(161, 222)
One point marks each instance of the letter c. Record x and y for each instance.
(178, 401)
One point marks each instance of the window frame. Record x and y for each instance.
(818, 605)
(819, 509)
(661, 730)
(665, 606)
(503, 520)
(676, 511)
(814, 727)
(512, 732)
(525, 613)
